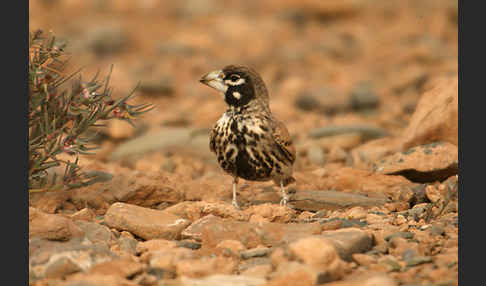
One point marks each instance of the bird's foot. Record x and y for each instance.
(235, 204)
(284, 201)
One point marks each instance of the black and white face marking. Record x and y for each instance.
(239, 90)
(236, 86)
(234, 80)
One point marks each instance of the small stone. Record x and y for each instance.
(406, 235)
(190, 244)
(85, 214)
(356, 213)
(363, 259)
(320, 254)
(154, 245)
(119, 267)
(417, 260)
(332, 225)
(61, 267)
(363, 97)
(230, 247)
(167, 259)
(294, 273)
(255, 252)
(400, 219)
(432, 193)
(271, 212)
(390, 263)
(144, 222)
(196, 268)
(224, 280)
(258, 271)
(95, 232)
(128, 244)
(436, 230)
(51, 226)
(316, 155)
(348, 241)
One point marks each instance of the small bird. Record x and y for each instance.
(249, 142)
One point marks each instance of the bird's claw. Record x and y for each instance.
(235, 204)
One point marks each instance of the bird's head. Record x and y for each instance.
(240, 85)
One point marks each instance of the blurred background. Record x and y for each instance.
(325, 63)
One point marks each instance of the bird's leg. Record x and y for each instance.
(285, 198)
(234, 202)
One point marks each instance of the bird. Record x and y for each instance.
(249, 142)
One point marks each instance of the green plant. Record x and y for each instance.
(59, 116)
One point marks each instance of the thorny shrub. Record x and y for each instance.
(60, 116)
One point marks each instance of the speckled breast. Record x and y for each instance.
(243, 147)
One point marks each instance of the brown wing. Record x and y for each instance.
(283, 140)
(212, 143)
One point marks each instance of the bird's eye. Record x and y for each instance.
(234, 77)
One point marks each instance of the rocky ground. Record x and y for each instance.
(368, 90)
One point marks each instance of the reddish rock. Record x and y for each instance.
(144, 222)
(348, 179)
(294, 273)
(368, 153)
(316, 200)
(48, 202)
(425, 163)
(261, 271)
(223, 280)
(61, 268)
(321, 255)
(195, 210)
(363, 259)
(270, 213)
(98, 279)
(167, 259)
(211, 230)
(436, 116)
(154, 245)
(120, 267)
(85, 214)
(373, 279)
(230, 248)
(51, 226)
(348, 241)
(141, 190)
(205, 266)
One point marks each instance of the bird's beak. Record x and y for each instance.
(214, 79)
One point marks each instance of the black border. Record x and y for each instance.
(14, 211)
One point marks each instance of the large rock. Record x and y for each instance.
(321, 255)
(211, 230)
(311, 200)
(425, 163)
(368, 183)
(51, 226)
(141, 190)
(348, 241)
(369, 279)
(223, 280)
(205, 266)
(436, 116)
(144, 222)
(195, 210)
